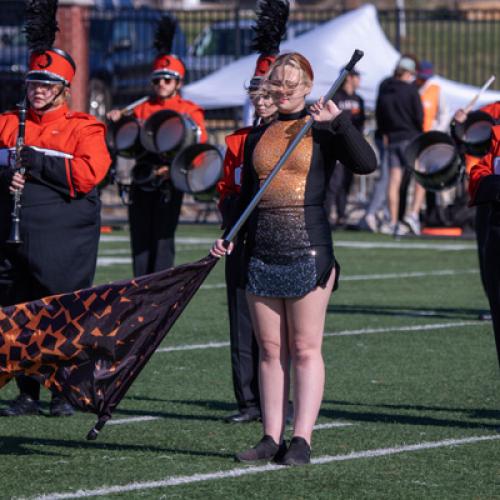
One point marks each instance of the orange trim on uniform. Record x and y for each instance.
(486, 165)
(232, 160)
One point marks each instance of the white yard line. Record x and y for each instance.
(345, 333)
(398, 245)
(245, 471)
(149, 418)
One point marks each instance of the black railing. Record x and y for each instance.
(462, 44)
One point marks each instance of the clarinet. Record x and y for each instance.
(15, 216)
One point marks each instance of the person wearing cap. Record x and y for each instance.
(154, 215)
(244, 348)
(270, 26)
(341, 179)
(65, 157)
(484, 191)
(436, 117)
(399, 114)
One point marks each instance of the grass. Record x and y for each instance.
(396, 388)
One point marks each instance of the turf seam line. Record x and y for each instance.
(239, 472)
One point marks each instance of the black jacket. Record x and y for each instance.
(399, 110)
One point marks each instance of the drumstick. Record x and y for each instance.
(479, 94)
(131, 106)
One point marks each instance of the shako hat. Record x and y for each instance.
(47, 64)
(166, 64)
(269, 30)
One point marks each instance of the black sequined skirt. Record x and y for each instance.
(284, 262)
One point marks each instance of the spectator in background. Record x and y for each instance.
(399, 114)
(341, 180)
(436, 117)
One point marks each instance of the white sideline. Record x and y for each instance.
(344, 333)
(239, 472)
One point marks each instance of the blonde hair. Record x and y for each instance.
(296, 60)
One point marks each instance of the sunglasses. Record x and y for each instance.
(166, 79)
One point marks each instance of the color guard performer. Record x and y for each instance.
(154, 214)
(270, 28)
(65, 157)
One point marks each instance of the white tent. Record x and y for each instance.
(329, 47)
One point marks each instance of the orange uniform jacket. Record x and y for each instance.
(176, 103)
(484, 182)
(230, 184)
(77, 138)
(493, 110)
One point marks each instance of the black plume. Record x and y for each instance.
(41, 24)
(164, 35)
(270, 27)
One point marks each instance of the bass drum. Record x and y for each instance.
(124, 137)
(434, 160)
(475, 133)
(168, 131)
(196, 170)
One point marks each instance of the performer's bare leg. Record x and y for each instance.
(395, 177)
(306, 322)
(418, 199)
(269, 321)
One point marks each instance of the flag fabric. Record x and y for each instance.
(88, 346)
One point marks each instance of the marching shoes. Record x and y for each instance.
(22, 405)
(60, 408)
(298, 453)
(266, 450)
(251, 414)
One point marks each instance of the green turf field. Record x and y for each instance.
(411, 408)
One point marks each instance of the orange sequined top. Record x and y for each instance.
(289, 186)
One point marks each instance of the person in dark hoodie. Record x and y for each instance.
(399, 115)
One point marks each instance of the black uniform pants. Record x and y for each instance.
(244, 348)
(338, 190)
(153, 218)
(491, 271)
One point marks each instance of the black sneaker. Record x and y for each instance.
(265, 450)
(298, 453)
(22, 405)
(59, 407)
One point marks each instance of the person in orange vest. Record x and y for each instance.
(244, 348)
(484, 191)
(154, 214)
(436, 117)
(65, 157)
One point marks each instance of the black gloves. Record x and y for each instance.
(32, 160)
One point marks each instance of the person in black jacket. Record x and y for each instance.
(340, 183)
(399, 115)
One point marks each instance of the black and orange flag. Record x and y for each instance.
(89, 346)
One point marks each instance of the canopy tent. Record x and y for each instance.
(329, 47)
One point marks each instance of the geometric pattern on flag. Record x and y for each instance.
(91, 344)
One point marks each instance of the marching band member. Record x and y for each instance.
(65, 157)
(154, 215)
(484, 190)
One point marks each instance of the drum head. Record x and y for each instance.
(197, 168)
(475, 133)
(165, 131)
(125, 137)
(434, 160)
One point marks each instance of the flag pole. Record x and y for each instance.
(357, 55)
